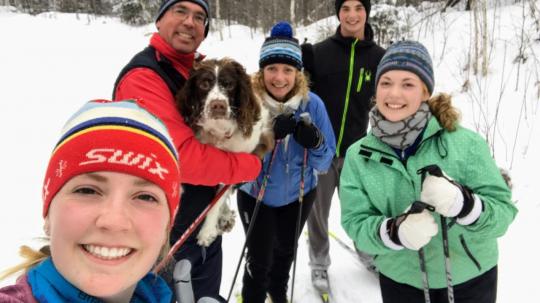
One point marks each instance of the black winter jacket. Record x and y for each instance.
(342, 72)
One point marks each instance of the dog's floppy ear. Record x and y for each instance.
(249, 110)
(186, 104)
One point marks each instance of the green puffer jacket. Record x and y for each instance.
(376, 185)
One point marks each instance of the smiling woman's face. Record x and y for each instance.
(107, 230)
(399, 94)
(279, 79)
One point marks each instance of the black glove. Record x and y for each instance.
(307, 135)
(284, 124)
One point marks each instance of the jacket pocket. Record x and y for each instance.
(469, 253)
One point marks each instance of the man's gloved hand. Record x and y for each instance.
(413, 229)
(307, 135)
(449, 198)
(283, 125)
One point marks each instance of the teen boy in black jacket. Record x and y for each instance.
(342, 72)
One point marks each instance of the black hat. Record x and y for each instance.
(365, 3)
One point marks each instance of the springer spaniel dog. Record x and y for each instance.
(218, 103)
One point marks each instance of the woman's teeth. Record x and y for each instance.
(107, 253)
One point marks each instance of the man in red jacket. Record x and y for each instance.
(155, 75)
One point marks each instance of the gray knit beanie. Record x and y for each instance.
(410, 56)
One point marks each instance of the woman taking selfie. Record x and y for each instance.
(110, 193)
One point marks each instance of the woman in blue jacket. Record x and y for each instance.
(305, 145)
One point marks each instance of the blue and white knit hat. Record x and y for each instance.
(281, 47)
(166, 4)
(410, 56)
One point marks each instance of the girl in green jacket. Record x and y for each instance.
(422, 193)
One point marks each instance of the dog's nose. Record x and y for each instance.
(218, 109)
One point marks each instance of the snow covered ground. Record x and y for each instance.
(51, 64)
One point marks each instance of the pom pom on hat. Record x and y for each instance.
(281, 29)
(114, 136)
(281, 47)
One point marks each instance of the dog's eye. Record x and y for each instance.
(205, 84)
(227, 85)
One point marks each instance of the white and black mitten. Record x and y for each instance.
(449, 198)
(413, 229)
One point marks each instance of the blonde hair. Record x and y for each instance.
(447, 115)
(301, 84)
(32, 258)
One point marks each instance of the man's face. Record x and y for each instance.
(182, 26)
(352, 17)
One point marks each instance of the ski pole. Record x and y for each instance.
(418, 207)
(447, 267)
(253, 217)
(341, 242)
(435, 170)
(298, 219)
(425, 282)
(190, 230)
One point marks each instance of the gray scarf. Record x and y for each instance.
(400, 134)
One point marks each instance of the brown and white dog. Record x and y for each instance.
(218, 103)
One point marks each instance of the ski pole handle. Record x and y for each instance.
(419, 206)
(432, 169)
(182, 282)
(306, 118)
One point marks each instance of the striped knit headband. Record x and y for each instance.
(114, 136)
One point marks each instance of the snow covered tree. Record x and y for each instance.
(138, 12)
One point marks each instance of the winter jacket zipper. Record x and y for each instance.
(347, 97)
(469, 253)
